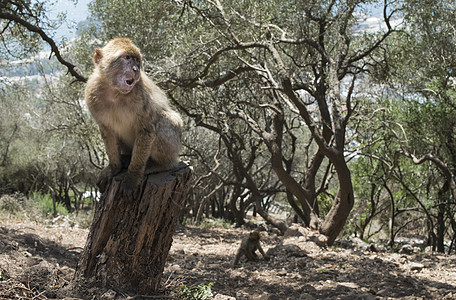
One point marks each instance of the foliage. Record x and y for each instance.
(283, 85)
(13, 204)
(213, 222)
(45, 141)
(39, 207)
(21, 43)
(46, 206)
(199, 292)
(407, 132)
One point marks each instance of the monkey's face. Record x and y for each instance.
(127, 68)
(120, 62)
(254, 236)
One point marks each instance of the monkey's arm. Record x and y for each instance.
(112, 149)
(139, 157)
(115, 166)
(262, 252)
(141, 152)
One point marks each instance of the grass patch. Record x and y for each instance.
(199, 292)
(39, 207)
(213, 222)
(46, 207)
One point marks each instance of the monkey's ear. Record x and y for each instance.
(97, 55)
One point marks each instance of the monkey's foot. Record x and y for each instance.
(106, 176)
(130, 184)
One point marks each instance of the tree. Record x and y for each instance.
(51, 166)
(412, 124)
(23, 24)
(297, 59)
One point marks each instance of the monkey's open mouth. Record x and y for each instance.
(130, 82)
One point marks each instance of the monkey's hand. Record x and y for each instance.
(130, 185)
(105, 177)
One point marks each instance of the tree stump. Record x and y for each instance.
(129, 241)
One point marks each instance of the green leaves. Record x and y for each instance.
(199, 292)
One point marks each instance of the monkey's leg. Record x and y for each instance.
(104, 178)
(166, 147)
(251, 256)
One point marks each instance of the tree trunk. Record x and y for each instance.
(129, 241)
(343, 203)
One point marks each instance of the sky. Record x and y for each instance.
(75, 13)
(78, 12)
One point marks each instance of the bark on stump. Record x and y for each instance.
(129, 241)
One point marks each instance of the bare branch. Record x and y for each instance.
(369, 50)
(348, 100)
(442, 166)
(214, 58)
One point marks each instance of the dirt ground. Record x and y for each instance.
(38, 262)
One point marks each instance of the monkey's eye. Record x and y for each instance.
(127, 57)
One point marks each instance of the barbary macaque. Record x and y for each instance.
(249, 245)
(133, 115)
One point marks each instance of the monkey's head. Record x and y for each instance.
(120, 62)
(254, 236)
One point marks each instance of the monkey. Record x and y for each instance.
(249, 245)
(133, 116)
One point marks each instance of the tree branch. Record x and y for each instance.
(47, 39)
(442, 166)
(366, 52)
(190, 83)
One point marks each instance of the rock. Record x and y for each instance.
(320, 240)
(223, 297)
(264, 296)
(428, 249)
(358, 297)
(409, 249)
(416, 266)
(295, 230)
(360, 244)
(306, 297)
(378, 248)
(350, 285)
(449, 296)
(413, 240)
(109, 295)
(242, 295)
(288, 250)
(174, 268)
(382, 292)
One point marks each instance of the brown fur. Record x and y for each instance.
(249, 245)
(132, 113)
